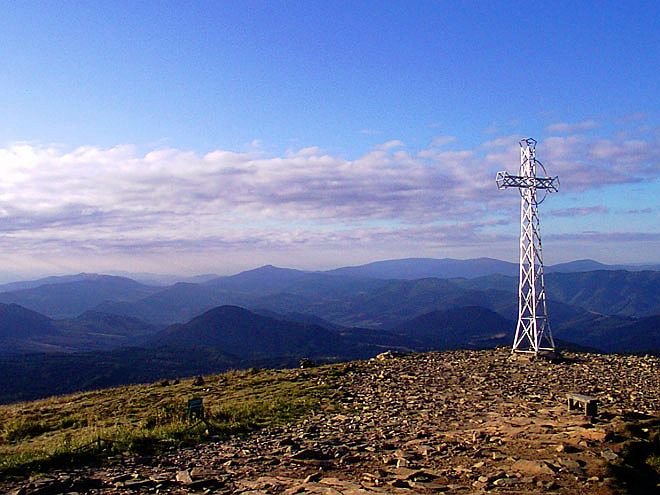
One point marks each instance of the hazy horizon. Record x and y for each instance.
(8, 278)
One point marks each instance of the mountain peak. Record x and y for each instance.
(272, 268)
(239, 332)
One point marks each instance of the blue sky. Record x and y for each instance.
(216, 136)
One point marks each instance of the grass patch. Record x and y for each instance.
(22, 428)
(69, 429)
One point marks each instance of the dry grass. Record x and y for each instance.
(145, 418)
(653, 461)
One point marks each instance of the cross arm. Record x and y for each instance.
(505, 180)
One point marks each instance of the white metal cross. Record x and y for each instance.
(533, 334)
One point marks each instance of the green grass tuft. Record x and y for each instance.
(22, 428)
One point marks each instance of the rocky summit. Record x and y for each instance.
(458, 422)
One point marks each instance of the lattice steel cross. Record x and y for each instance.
(533, 334)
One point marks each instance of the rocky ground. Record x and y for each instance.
(456, 422)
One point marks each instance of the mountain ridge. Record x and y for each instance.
(482, 263)
(232, 337)
(23, 331)
(70, 298)
(247, 335)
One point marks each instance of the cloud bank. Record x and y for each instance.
(118, 199)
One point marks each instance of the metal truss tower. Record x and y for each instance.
(533, 333)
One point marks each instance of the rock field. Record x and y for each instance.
(458, 422)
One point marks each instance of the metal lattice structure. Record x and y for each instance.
(533, 334)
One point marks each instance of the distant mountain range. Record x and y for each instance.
(613, 292)
(383, 303)
(415, 268)
(232, 337)
(274, 316)
(24, 331)
(401, 269)
(246, 335)
(591, 265)
(65, 297)
(222, 338)
(344, 300)
(30, 284)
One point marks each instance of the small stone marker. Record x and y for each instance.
(578, 401)
(195, 408)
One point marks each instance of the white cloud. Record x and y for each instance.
(388, 145)
(46, 185)
(95, 200)
(584, 163)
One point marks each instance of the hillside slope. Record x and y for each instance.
(608, 292)
(614, 334)
(471, 327)
(246, 335)
(454, 422)
(23, 331)
(233, 337)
